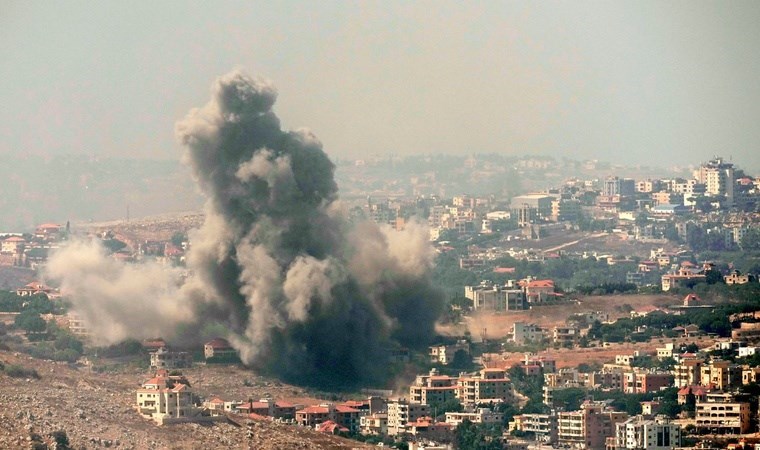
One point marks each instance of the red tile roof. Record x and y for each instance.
(219, 343)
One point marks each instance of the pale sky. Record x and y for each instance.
(634, 80)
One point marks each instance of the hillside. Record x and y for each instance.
(96, 410)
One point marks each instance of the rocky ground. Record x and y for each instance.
(96, 411)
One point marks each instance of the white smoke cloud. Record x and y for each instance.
(119, 300)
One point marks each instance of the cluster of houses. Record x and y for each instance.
(514, 295)
(31, 249)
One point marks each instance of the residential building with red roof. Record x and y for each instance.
(219, 348)
(314, 415)
(13, 245)
(36, 288)
(537, 291)
(331, 427)
(166, 398)
(269, 408)
(428, 428)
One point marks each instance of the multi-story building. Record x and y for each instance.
(166, 398)
(444, 354)
(624, 187)
(537, 291)
(589, 427)
(644, 382)
(480, 415)
(718, 178)
(565, 209)
(566, 336)
(640, 433)
(721, 413)
(314, 415)
(402, 412)
(433, 388)
(682, 277)
(532, 206)
(721, 374)
(167, 359)
(688, 372)
(374, 424)
(490, 297)
(492, 385)
(523, 333)
(544, 426)
(219, 348)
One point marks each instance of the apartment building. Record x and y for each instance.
(687, 373)
(489, 297)
(544, 426)
(589, 427)
(523, 333)
(721, 374)
(314, 415)
(492, 385)
(640, 433)
(480, 415)
(402, 412)
(722, 414)
(644, 382)
(433, 388)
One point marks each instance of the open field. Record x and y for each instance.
(499, 325)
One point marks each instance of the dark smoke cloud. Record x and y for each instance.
(302, 294)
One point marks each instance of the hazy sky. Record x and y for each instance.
(641, 81)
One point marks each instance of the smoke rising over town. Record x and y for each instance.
(301, 291)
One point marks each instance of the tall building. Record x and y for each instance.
(624, 187)
(718, 178)
(589, 427)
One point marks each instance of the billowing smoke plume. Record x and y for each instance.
(301, 293)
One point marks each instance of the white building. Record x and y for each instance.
(523, 333)
(166, 398)
(482, 415)
(647, 434)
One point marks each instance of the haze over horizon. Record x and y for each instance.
(619, 81)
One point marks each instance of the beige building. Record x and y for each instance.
(688, 373)
(543, 426)
(166, 359)
(402, 412)
(492, 385)
(166, 399)
(374, 424)
(433, 388)
(721, 374)
(589, 427)
(722, 414)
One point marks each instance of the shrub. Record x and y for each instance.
(17, 371)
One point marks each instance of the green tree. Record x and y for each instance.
(31, 322)
(61, 440)
(178, 238)
(751, 240)
(470, 436)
